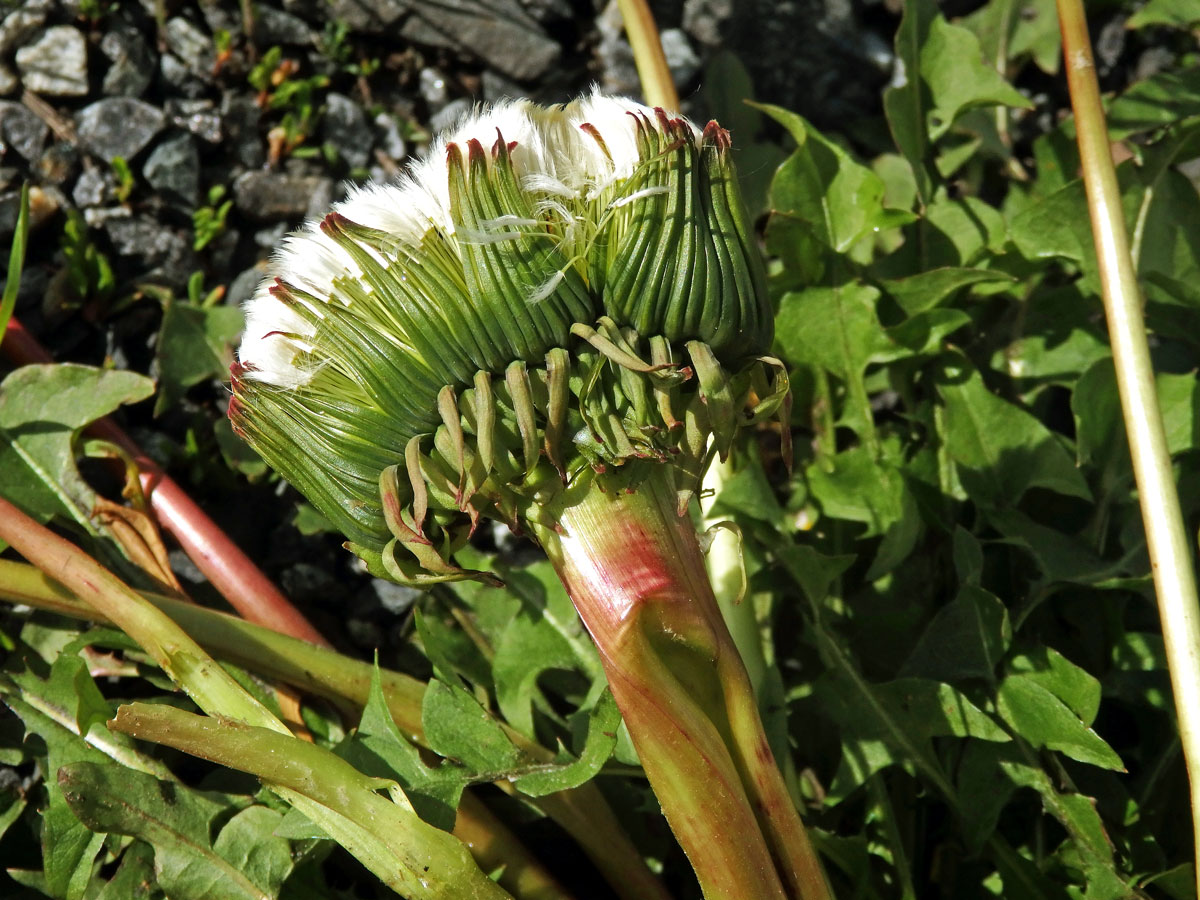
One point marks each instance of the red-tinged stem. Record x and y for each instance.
(231, 572)
(634, 569)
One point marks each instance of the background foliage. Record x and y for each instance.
(966, 675)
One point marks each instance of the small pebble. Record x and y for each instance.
(118, 126)
(173, 167)
(21, 131)
(55, 63)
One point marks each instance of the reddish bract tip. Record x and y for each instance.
(717, 136)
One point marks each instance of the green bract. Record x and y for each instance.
(553, 291)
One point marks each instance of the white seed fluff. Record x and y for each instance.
(553, 156)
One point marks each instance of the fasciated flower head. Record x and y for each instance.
(538, 246)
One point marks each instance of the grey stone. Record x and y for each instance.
(497, 87)
(19, 26)
(21, 131)
(55, 63)
(193, 47)
(9, 82)
(618, 70)
(94, 187)
(450, 114)
(344, 125)
(389, 138)
(131, 64)
(117, 126)
(499, 32)
(369, 16)
(548, 10)
(274, 26)
(175, 72)
(271, 196)
(270, 237)
(239, 119)
(681, 58)
(97, 216)
(199, 117)
(705, 20)
(432, 85)
(164, 250)
(242, 287)
(395, 598)
(174, 167)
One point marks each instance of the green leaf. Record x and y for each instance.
(528, 647)
(173, 819)
(1162, 99)
(194, 344)
(1000, 449)
(907, 104)
(926, 290)
(1061, 677)
(967, 638)
(952, 66)
(248, 842)
(1011, 30)
(134, 878)
(1172, 13)
(1041, 718)
(42, 407)
(457, 727)
(838, 199)
(380, 750)
(856, 486)
(602, 724)
(891, 723)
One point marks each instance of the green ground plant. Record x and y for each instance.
(940, 582)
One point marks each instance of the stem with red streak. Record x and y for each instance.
(634, 569)
(229, 570)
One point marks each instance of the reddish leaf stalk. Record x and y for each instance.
(635, 572)
(231, 572)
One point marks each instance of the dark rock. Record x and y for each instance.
(394, 598)
(274, 26)
(705, 19)
(345, 127)
(499, 32)
(164, 251)
(131, 64)
(618, 70)
(58, 164)
(243, 287)
(240, 116)
(181, 80)
(548, 10)
(199, 117)
(192, 46)
(268, 238)
(173, 167)
(95, 187)
(497, 87)
(117, 126)
(55, 63)
(369, 16)
(21, 131)
(18, 26)
(306, 582)
(271, 196)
